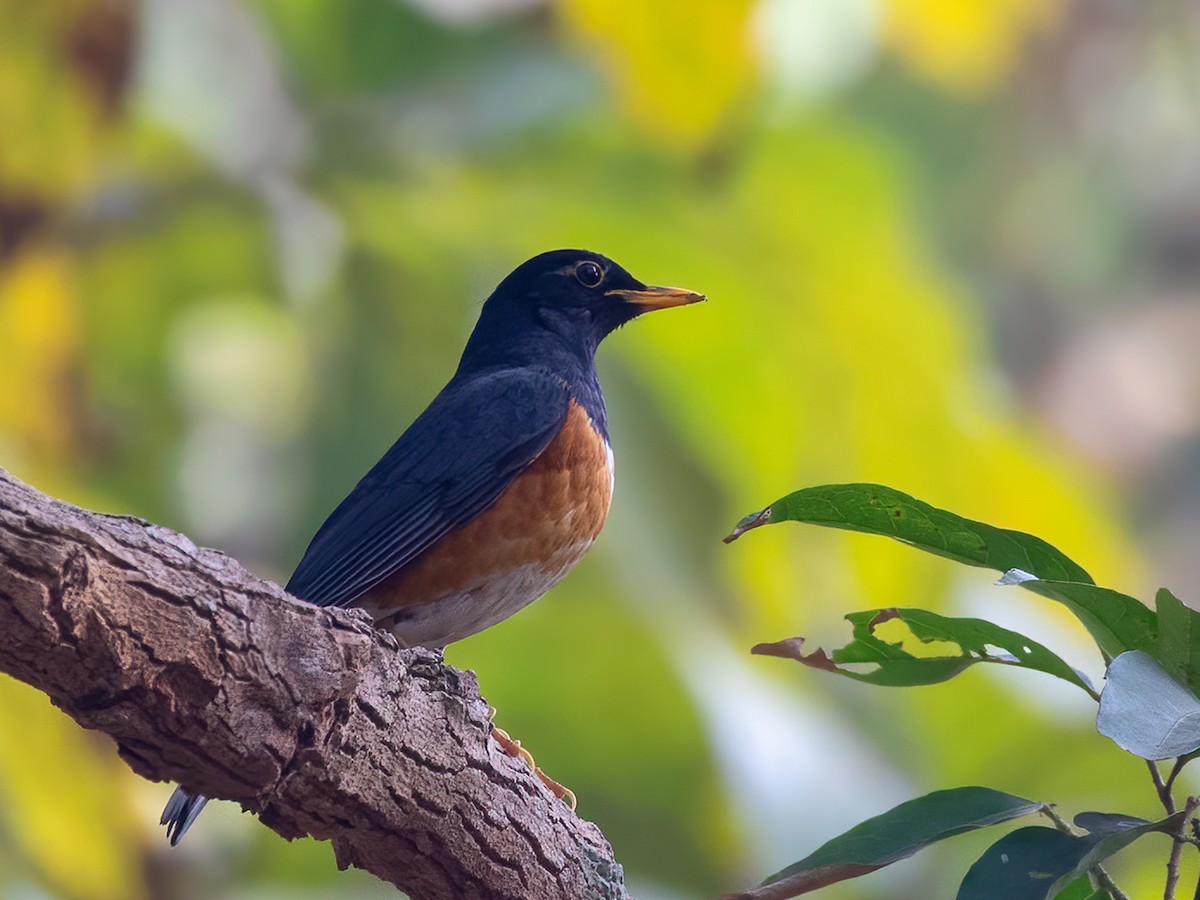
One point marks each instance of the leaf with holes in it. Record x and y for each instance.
(1037, 863)
(899, 833)
(876, 509)
(1147, 712)
(1116, 621)
(905, 647)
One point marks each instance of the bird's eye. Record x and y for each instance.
(589, 274)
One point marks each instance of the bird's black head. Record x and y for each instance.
(562, 300)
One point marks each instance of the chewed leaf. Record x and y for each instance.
(876, 509)
(904, 647)
(793, 648)
(1116, 621)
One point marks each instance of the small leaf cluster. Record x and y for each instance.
(1149, 705)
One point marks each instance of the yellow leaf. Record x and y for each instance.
(677, 66)
(39, 333)
(963, 46)
(50, 125)
(63, 800)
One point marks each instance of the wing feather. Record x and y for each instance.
(451, 464)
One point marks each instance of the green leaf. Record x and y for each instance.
(1147, 712)
(873, 658)
(1116, 621)
(899, 833)
(1037, 863)
(1178, 646)
(876, 509)
(1081, 889)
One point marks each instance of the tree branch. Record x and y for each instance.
(1180, 838)
(311, 718)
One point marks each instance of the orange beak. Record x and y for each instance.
(651, 298)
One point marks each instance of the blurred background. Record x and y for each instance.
(951, 247)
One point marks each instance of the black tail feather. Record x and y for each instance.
(180, 812)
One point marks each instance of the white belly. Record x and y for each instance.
(467, 612)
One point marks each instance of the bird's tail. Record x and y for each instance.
(180, 812)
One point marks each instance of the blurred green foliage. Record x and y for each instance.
(241, 244)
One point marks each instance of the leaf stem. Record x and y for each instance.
(1177, 846)
(1059, 822)
(1105, 883)
(1176, 769)
(1163, 788)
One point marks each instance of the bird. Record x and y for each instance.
(499, 487)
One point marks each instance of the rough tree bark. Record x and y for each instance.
(204, 674)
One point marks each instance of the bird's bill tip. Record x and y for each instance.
(651, 298)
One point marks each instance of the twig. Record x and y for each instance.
(1176, 769)
(1177, 848)
(1163, 788)
(1105, 883)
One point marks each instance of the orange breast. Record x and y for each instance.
(512, 552)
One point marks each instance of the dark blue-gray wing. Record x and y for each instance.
(450, 465)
